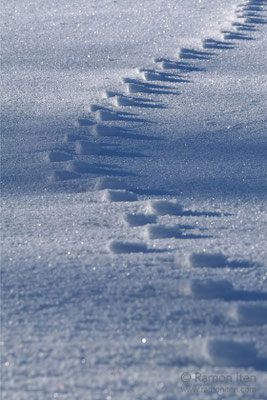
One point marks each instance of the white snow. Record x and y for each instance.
(133, 169)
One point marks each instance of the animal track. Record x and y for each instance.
(229, 353)
(57, 156)
(119, 195)
(208, 289)
(108, 120)
(140, 219)
(84, 122)
(64, 176)
(216, 260)
(195, 54)
(87, 148)
(118, 247)
(164, 207)
(163, 232)
(212, 260)
(249, 314)
(109, 183)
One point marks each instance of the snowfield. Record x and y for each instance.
(133, 262)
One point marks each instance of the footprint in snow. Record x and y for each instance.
(216, 260)
(206, 289)
(83, 147)
(228, 35)
(133, 88)
(192, 54)
(163, 232)
(107, 115)
(229, 353)
(84, 122)
(213, 260)
(58, 176)
(57, 156)
(217, 44)
(164, 207)
(119, 195)
(154, 76)
(140, 219)
(124, 101)
(118, 247)
(182, 66)
(102, 130)
(249, 314)
(109, 183)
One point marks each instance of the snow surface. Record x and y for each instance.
(134, 199)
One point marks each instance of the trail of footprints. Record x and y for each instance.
(141, 92)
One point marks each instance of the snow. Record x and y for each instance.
(134, 199)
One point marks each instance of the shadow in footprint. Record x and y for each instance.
(120, 247)
(244, 27)
(83, 122)
(190, 213)
(255, 21)
(192, 236)
(153, 75)
(241, 295)
(180, 65)
(96, 107)
(236, 36)
(108, 115)
(168, 232)
(133, 88)
(261, 364)
(254, 6)
(145, 84)
(57, 156)
(109, 94)
(217, 44)
(151, 192)
(140, 219)
(216, 260)
(124, 101)
(223, 289)
(186, 53)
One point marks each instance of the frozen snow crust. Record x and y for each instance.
(134, 199)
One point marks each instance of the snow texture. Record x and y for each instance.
(133, 177)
